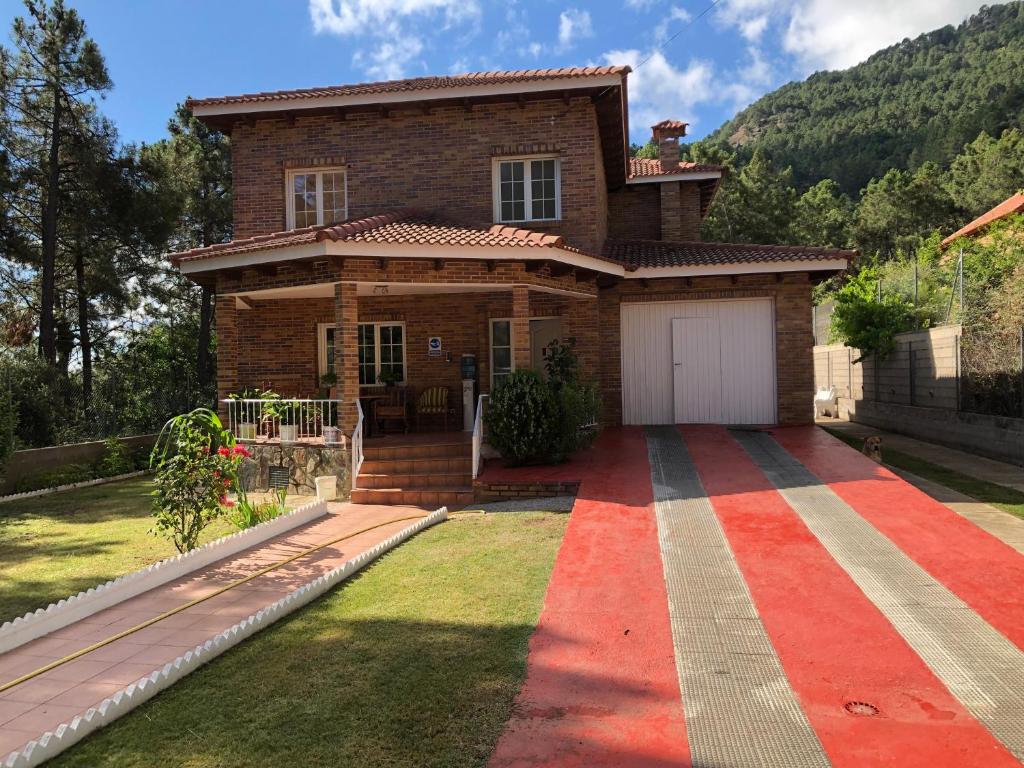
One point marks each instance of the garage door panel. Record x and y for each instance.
(734, 383)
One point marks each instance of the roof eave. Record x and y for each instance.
(371, 250)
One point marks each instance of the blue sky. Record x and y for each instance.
(160, 52)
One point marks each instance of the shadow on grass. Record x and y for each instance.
(316, 691)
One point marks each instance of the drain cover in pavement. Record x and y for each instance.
(861, 708)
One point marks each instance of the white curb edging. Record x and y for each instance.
(52, 743)
(75, 608)
(72, 486)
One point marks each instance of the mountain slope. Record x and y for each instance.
(920, 100)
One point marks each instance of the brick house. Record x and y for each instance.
(391, 228)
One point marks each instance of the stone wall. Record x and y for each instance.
(305, 463)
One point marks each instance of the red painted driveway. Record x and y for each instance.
(602, 687)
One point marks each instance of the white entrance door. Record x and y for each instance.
(696, 370)
(699, 362)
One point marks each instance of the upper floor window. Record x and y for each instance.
(527, 189)
(316, 197)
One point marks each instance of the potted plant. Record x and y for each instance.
(290, 415)
(329, 386)
(247, 414)
(388, 377)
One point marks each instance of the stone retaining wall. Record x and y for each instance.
(305, 462)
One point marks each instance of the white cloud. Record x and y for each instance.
(676, 17)
(658, 90)
(349, 17)
(639, 5)
(750, 17)
(572, 25)
(394, 32)
(749, 80)
(834, 34)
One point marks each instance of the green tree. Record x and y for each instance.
(822, 216)
(899, 211)
(198, 177)
(987, 172)
(50, 80)
(754, 205)
(863, 320)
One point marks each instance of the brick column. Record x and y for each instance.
(671, 211)
(226, 316)
(521, 326)
(346, 353)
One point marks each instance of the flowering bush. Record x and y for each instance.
(196, 469)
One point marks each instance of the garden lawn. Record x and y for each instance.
(999, 496)
(415, 662)
(58, 545)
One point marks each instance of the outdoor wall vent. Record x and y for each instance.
(279, 477)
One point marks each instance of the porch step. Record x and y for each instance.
(444, 465)
(438, 450)
(418, 497)
(415, 481)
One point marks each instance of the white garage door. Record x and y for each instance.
(698, 362)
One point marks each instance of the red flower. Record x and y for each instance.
(223, 451)
(225, 501)
(241, 451)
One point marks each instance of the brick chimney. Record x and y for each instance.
(667, 134)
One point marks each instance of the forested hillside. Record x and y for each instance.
(921, 100)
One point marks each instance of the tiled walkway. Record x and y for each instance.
(41, 704)
(800, 574)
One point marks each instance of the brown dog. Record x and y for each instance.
(873, 448)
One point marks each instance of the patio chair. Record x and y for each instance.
(433, 401)
(391, 407)
(825, 402)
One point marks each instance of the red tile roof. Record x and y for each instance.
(1013, 204)
(417, 84)
(634, 254)
(407, 225)
(672, 125)
(642, 168)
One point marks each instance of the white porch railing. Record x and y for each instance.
(357, 444)
(478, 435)
(287, 420)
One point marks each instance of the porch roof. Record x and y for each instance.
(378, 235)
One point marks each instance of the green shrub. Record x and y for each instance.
(117, 459)
(522, 417)
(66, 475)
(533, 420)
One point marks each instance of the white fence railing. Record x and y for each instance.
(357, 444)
(282, 419)
(478, 435)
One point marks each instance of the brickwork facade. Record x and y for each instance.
(439, 160)
(655, 211)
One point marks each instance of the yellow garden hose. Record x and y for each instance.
(219, 591)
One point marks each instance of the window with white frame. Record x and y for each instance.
(381, 348)
(527, 189)
(316, 197)
(502, 362)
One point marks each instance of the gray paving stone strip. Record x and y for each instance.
(739, 707)
(979, 665)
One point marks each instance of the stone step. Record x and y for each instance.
(453, 498)
(444, 465)
(415, 481)
(433, 450)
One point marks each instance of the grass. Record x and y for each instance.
(414, 663)
(57, 545)
(999, 496)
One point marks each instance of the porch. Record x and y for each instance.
(331, 344)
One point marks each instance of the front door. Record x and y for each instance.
(542, 333)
